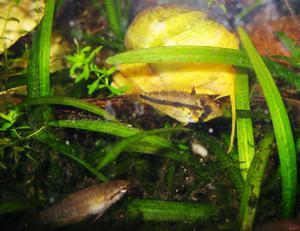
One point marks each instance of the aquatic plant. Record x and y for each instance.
(116, 148)
(279, 116)
(83, 67)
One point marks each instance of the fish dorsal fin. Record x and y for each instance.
(187, 87)
(193, 91)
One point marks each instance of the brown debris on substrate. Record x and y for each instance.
(266, 42)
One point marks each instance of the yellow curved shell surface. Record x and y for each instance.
(155, 26)
(174, 25)
(170, 26)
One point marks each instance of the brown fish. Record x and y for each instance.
(281, 225)
(184, 107)
(77, 206)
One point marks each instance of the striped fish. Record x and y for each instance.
(77, 206)
(183, 106)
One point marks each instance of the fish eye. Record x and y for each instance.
(202, 102)
(207, 109)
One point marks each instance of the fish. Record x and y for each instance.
(179, 101)
(94, 200)
(182, 106)
(281, 225)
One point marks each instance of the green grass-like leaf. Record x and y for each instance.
(253, 182)
(282, 72)
(39, 63)
(290, 44)
(113, 128)
(113, 153)
(185, 158)
(59, 100)
(182, 54)
(244, 127)
(14, 206)
(170, 211)
(33, 82)
(281, 124)
(44, 51)
(114, 17)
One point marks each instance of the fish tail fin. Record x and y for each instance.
(138, 77)
(133, 90)
(120, 81)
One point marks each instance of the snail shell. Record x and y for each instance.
(173, 25)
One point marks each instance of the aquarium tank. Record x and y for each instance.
(149, 115)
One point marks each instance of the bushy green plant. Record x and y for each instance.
(83, 67)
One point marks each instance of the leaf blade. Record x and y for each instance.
(281, 125)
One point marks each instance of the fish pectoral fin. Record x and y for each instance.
(98, 216)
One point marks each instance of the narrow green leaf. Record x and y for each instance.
(39, 58)
(59, 100)
(114, 18)
(113, 128)
(282, 72)
(171, 211)
(44, 51)
(182, 54)
(93, 86)
(146, 148)
(244, 125)
(13, 206)
(85, 50)
(113, 154)
(251, 192)
(290, 44)
(246, 10)
(84, 73)
(281, 124)
(33, 82)
(5, 117)
(93, 54)
(38, 83)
